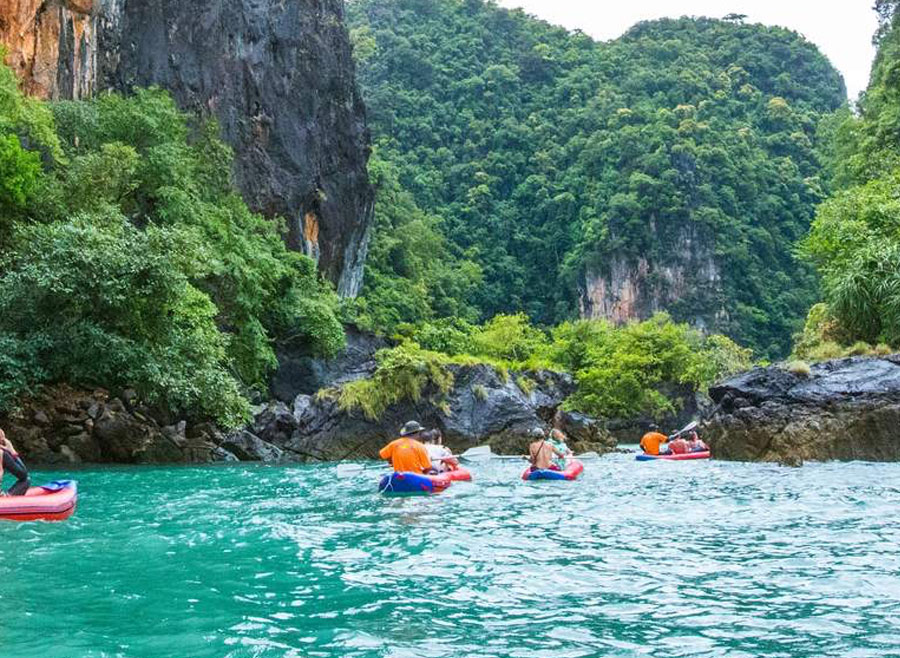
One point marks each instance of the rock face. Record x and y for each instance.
(299, 373)
(483, 407)
(67, 425)
(625, 289)
(846, 409)
(278, 76)
(52, 45)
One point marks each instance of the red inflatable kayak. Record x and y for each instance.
(573, 470)
(51, 502)
(674, 458)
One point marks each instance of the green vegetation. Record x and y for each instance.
(521, 157)
(855, 239)
(130, 261)
(621, 372)
(403, 373)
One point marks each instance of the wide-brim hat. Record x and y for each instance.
(412, 427)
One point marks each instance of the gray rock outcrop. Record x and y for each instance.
(483, 407)
(846, 409)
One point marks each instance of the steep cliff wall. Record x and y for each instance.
(684, 278)
(278, 76)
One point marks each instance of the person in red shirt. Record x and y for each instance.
(407, 454)
(679, 446)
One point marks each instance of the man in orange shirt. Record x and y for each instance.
(651, 441)
(407, 454)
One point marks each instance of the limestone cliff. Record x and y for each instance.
(684, 277)
(278, 76)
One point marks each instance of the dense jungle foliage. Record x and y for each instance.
(621, 372)
(518, 157)
(855, 240)
(128, 260)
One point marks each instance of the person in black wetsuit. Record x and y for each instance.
(13, 463)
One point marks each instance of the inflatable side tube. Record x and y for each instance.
(674, 458)
(52, 502)
(407, 483)
(573, 470)
(459, 475)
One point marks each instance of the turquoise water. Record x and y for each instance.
(661, 559)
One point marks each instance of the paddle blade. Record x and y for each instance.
(349, 470)
(476, 452)
(587, 455)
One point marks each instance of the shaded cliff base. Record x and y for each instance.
(845, 409)
(65, 425)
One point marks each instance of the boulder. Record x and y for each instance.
(300, 373)
(585, 434)
(846, 409)
(249, 447)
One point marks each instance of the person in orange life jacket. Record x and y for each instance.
(653, 442)
(407, 454)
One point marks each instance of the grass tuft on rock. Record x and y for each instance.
(404, 372)
(799, 368)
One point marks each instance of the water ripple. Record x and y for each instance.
(693, 559)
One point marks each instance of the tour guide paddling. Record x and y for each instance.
(407, 454)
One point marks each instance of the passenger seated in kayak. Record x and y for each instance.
(561, 451)
(696, 444)
(442, 460)
(541, 453)
(679, 446)
(652, 440)
(11, 462)
(407, 454)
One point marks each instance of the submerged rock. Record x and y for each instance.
(845, 409)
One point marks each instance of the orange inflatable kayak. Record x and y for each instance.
(50, 502)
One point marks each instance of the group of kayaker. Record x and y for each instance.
(421, 451)
(656, 443)
(11, 462)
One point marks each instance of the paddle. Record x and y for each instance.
(587, 455)
(687, 428)
(478, 453)
(351, 470)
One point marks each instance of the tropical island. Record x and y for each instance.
(252, 251)
(559, 225)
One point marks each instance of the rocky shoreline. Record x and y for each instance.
(846, 409)
(303, 421)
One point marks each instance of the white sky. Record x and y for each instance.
(842, 29)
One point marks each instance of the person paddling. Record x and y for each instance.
(407, 454)
(652, 440)
(541, 453)
(696, 444)
(13, 463)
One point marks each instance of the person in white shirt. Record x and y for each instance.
(442, 460)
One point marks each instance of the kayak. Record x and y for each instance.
(674, 458)
(408, 483)
(50, 502)
(573, 470)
